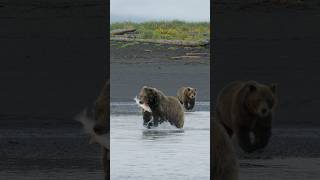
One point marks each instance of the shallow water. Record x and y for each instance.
(161, 153)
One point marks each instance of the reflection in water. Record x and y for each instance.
(155, 134)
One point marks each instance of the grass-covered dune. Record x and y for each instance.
(167, 30)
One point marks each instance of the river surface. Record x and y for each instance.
(164, 152)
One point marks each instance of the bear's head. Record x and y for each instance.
(260, 99)
(190, 92)
(149, 96)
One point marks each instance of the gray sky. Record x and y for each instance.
(188, 10)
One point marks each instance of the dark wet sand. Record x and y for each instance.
(274, 44)
(48, 153)
(52, 53)
(133, 67)
(292, 154)
(52, 65)
(271, 44)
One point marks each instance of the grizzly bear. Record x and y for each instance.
(247, 108)
(162, 108)
(95, 122)
(225, 162)
(187, 97)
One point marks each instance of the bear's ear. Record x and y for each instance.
(251, 85)
(147, 89)
(188, 89)
(273, 87)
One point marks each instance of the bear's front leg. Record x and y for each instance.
(191, 104)
(156, 119)
(147, 116)
(186, 104)
(243, 136)
(261, 136)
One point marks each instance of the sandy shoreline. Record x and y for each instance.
(152, 64)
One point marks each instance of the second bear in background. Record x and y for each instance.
(187, 97)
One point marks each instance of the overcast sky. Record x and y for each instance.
(188, 10)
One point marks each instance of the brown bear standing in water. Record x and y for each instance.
(225, 162)
(187, 97)
(247, 107)
(163, 108)
(95, 122)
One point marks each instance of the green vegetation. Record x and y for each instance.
(172, 48)
(168, 30)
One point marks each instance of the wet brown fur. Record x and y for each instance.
(225, 162)
(187, 97)
(247, 107)
(164, 108)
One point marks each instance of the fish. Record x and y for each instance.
(143, 106)
(88, 125)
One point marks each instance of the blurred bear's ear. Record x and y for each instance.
(146, 88)
(273, 87)
(188, 89)
(252, 86)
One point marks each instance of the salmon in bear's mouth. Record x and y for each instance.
(144, 106)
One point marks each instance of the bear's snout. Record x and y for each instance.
(264, 111)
